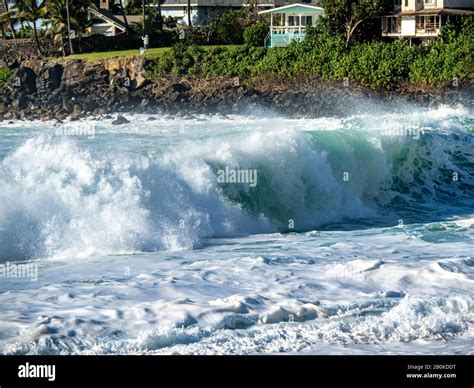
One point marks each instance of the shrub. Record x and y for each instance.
(450, 57)
(5, 74)
(321, 54)
(229, 27)
(235, 61)
(255, 34)
(280, 61)
(181, 60)
(377, 64)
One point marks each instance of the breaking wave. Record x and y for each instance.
(60, 198)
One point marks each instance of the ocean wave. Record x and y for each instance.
(62, 198)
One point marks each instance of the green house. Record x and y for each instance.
(291, 24)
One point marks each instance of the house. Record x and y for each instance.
(107, 23)
(422, 19)
(104, 22)
(203, 10)
(107, 20)
(290, 24)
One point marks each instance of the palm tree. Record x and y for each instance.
(9, 18)
(65, 16)
(56, 19)
(32, 11)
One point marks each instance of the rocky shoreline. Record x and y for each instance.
(76, 89)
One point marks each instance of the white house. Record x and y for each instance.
(106, 23)
(422, 19)
(202, 10)
(290, 24)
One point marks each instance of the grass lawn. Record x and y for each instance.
(152, 53)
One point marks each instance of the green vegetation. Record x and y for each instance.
(344, 44)
(448, 57)
(5, 74)
(324, 55)
(154, 52)
(346, 17)
(255, 34)
(229, 26)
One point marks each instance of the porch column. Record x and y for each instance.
(299, 27)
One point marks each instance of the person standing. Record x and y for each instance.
(146, 42)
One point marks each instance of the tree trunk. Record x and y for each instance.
(160, 15)
(35, 31)
(11, 24)
(71, 48)
(143, 16)
(125, 20)
(189, 14)
(348, 38)
(12, 29)
(350, 31)
(62, 44)
(159, 8)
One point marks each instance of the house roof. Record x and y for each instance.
(439, 11)
(130, 18)
(296, 8)
(108, 17)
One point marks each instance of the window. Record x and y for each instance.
(406, 3)
(306, 20)
(391, 25)
(396, 3)
(294, 21)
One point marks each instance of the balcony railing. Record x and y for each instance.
(288, 30)
(428, 27)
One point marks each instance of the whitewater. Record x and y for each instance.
(357, 237)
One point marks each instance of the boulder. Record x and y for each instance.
(120, 120)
